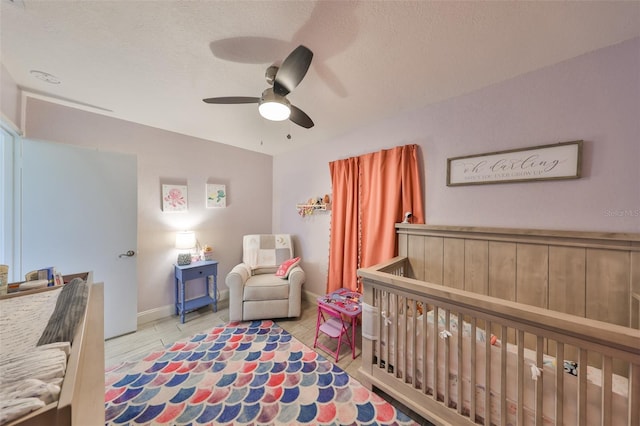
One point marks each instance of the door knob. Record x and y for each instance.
(129, 253)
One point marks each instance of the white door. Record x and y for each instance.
(79, 213)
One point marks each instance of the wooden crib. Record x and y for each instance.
(546, 321)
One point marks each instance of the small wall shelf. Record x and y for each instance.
(309, 209)
(314, 204)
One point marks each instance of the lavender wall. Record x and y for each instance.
(166, 157)
(594, 97)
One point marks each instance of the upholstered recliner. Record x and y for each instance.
(255, 292)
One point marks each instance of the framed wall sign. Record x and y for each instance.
(556, 161)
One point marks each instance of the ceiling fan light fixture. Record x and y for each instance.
(274, 107)
(273, 104)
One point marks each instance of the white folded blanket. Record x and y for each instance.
(31, 388)
(42, 365)
(14, 408)
(30, 381)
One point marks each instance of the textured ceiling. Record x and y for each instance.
(152, 62)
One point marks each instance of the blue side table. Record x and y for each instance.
(184, 273)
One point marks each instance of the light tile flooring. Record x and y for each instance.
(158, 334)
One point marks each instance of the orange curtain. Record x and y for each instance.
(370, 194)
(344, 246)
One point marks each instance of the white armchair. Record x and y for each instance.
(255, 292)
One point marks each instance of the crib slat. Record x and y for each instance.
(459, 372)
(414, 322)
(385, 328)
(391, 334)
(447, 317)
(378, 298)
(503, 375)
(472, 399)
(402, 325)
(607, 383)
(378, 304)
(539, 384)
(487, 372)
(559, 383)
(398, 336)
(434, 337)
(390, 337)
(582, 387)
(425, 341)
(520, 377)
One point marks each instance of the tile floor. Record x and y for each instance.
(156, 335)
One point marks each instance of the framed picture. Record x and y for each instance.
(216, 195)
(545, 162)
(174, 198)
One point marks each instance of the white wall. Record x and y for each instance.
(166, 157)
(594, 97)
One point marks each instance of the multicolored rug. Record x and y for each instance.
(244, 373)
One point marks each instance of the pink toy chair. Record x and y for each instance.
(331, 324)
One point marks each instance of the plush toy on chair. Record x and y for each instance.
(268, 282)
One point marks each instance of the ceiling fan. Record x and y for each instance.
(273, 104)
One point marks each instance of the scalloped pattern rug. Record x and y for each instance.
(243, 373)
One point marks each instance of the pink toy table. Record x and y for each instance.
(346, 302)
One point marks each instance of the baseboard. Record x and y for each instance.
(161, 312)
(223, 299)
(310, 297)
(155, 314)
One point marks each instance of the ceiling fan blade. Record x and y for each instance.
(300, 117)
(233, 100)
(292, 70)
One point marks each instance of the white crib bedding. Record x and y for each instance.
(594, 379)
(30, 375)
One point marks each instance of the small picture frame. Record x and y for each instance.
(174, 198)
(216, 195)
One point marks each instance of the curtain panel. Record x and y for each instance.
(370, 194)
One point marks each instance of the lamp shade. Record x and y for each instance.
(185, 240)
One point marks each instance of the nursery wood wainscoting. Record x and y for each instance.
(588, 274)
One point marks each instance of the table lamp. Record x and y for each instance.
(185, 240)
